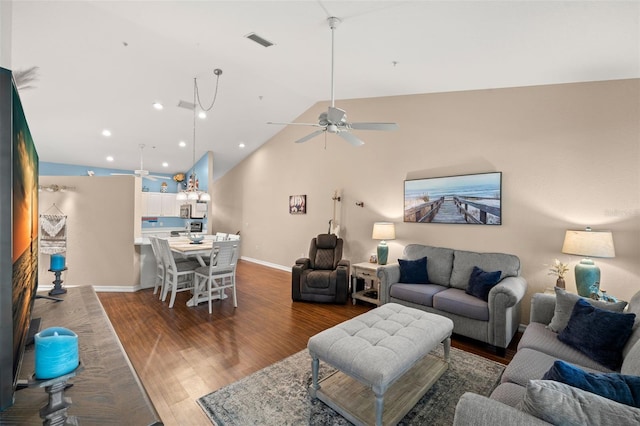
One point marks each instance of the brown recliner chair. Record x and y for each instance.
(324, 275)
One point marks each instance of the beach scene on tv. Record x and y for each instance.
(467, 199)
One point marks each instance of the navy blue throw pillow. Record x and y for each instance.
(414, 271)
(598, 333)
(481, 282)
(614, 386)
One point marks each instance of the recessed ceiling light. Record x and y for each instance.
(158, 106)
(241, 145)
(165, 164)
(182, 144)
(202, 114)
(106, 133)
(109, 158)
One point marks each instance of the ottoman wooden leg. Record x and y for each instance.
(379, 409)
(447, 348)
(315, 365)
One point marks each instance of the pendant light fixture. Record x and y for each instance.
(193, 193)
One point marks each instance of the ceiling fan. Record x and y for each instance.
(335, 119)
(142, 172)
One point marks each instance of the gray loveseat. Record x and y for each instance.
(513, 403)
(494, 321)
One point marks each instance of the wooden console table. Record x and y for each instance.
(108, 390)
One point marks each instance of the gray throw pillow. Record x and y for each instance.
(565, 303)
(561, 404)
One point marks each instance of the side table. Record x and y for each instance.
(366, 271)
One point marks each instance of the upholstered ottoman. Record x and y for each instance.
(385, 350)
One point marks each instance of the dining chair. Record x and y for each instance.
(221, 236)
(160, 269)
(179, 276)
(220, 274)
(233, 237)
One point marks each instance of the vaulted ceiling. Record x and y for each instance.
(102, 64)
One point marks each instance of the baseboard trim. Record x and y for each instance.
(268, 264)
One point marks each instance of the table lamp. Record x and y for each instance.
(588, 243)
(383, 231)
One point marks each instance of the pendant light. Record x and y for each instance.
(193, 193)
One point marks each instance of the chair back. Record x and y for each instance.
(221, 236)
(325, 251)
(224, 256)
(156, 251)
(165, 253)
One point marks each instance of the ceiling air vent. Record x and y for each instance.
(261, 41)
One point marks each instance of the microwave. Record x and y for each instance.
(185, 211)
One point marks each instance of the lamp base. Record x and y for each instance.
(587, 278)
(383, 253)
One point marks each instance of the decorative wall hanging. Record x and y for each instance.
(298, 204)
(53, 235)
(466, 199)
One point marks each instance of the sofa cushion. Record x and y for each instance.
(564, 306)
(440, 261)
(413, 271)
(631, 362)
(614, 386)
(528, 364)
(481, 283)
(634, 307)
(561, 404)
(421, 294)
(508, 393)
(464, 261)
(539, 338)
(598, 333)
(458, 302)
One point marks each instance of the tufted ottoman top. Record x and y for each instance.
(379, 346)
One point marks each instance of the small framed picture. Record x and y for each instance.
(297, 204)
(373, 258)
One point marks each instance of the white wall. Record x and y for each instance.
(569, 154)
(101, 225)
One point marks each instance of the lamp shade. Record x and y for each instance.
(384, 231)
(589, 243)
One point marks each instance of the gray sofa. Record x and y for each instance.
(511, 402)
(494, 321)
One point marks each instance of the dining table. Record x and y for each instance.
(201, 250)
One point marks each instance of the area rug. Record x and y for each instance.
(278, 395)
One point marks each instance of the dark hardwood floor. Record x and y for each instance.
(183, 353)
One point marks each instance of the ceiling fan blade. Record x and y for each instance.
(374, 126)
(336, 115)
(159, 177)
(351, 138)
(153, 178)
(295, 124)
(309, 136)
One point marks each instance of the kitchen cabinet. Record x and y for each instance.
(160, 204)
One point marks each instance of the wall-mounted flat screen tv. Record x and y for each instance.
(18, 234)
(465, 199)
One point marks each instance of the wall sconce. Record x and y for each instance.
(360, 203)
(55, 188)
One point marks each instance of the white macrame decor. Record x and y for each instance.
(53, 235)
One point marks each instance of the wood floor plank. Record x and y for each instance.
(183, 353)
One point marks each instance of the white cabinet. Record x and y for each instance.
(160, 204)
(168, 205)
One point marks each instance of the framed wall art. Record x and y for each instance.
(298, 204)
(465, 199)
